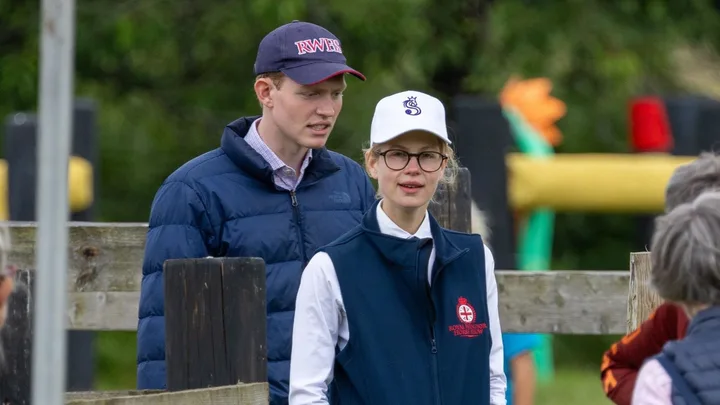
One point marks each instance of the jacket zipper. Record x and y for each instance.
(434, 359)
(433, 343)
(296, 216)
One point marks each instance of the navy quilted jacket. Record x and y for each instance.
(224, 203)
(697, 360)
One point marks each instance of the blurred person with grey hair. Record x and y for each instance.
(690, 180)
(622, 361)
(685, 254)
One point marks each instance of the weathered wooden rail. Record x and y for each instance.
(104, 278)
(240, 394)
(104, 275)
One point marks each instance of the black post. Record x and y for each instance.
(81, 344)
(20, 148)
(16, 338)
(215, 322)
(483, 139)
(21, 157)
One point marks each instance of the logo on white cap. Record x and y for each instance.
(411, 106)
(408, 111)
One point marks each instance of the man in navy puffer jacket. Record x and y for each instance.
(271, 190)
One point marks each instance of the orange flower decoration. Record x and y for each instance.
(532, 99)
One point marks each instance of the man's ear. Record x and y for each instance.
(262, 91)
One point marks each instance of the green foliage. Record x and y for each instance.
(573, 386)
(191, 65)
(116, 363)
(168, 75)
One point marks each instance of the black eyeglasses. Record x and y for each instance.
(397, 159)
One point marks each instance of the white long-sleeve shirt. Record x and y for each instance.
(653, 385)
(321, 323)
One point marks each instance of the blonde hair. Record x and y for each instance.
(479, 222)
(449, 174)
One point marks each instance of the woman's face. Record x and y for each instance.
(408, 184)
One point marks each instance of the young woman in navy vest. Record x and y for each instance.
(399, 310)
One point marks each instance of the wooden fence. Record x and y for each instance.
(240, 394)
(104, 286)
(104, 280)
(104, 289)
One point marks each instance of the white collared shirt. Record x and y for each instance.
(321, 323)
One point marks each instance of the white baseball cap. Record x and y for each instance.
(408, 111)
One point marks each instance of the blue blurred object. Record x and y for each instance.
(515, 344)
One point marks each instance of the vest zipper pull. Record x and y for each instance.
(434, 347)
(293, 198)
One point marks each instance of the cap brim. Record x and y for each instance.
(388, 138)
(314, 73)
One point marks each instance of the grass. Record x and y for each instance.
(115, 360)
(573, 384)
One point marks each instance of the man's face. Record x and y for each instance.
(307, 114)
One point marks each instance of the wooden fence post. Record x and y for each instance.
(215, 322)
(452, 205)
(642, 298)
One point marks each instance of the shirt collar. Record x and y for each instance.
(388, 227)
(255, 140)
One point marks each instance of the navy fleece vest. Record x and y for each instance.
(410, 343)
(697, 358)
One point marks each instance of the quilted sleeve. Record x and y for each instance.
(179, 227)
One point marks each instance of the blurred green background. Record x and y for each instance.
(168, 75)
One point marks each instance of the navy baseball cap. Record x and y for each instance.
(305, 52)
